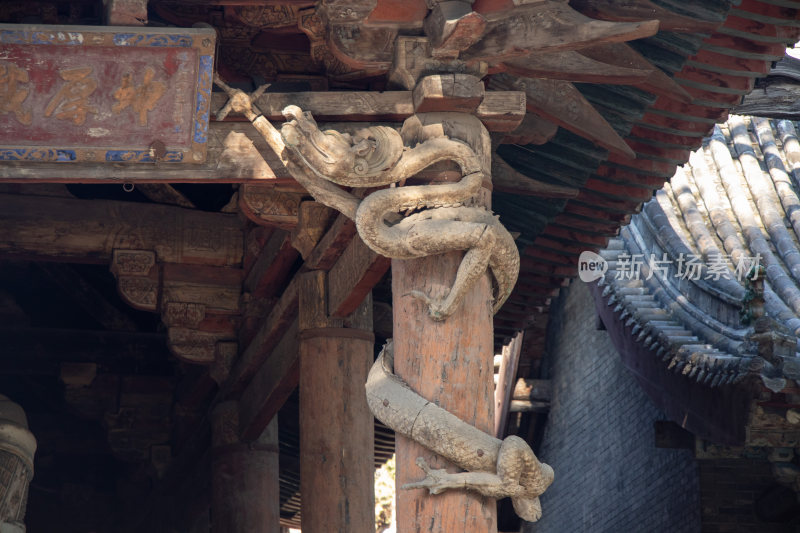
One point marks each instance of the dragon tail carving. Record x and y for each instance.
(494, 468)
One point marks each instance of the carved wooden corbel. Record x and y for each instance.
(269, 207)
(413, 59)
(313, 220)
(137, 278)
(198, 304)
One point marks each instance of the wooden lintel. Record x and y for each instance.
(353, 276)
(270, 386)
(96, 229)
(358, 106)
(236, 154)
(390, 106)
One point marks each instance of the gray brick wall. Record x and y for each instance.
(609, 476)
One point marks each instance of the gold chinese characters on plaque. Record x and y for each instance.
(72, 93)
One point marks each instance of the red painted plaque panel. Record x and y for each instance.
(115, 94)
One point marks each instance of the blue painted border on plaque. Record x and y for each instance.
(37, 154)
(40, 37)
(141, 156)
(205, 74)
(156, 40)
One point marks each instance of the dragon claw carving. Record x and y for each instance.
(436, 480)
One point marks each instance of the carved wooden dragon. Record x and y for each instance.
(495, 468)
(324, 161)
(441, 221)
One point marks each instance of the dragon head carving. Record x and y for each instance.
(339, 157)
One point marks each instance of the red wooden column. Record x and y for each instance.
(449, 363)
(245, 486)
(336, 427)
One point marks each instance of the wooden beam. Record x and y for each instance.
(270, 387)
(272, 266)
(332, 245)
(252, 358)
(506, 179)
(236, 154)
(561, 103)
(635, 10)
(353, 276)
(352, 106)
(550, 27)
(88, 231)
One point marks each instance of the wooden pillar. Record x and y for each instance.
(449, 363)
(245, 486)
(336, 426)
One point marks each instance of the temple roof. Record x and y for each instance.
(679, 281)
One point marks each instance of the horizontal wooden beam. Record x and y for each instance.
(88, 231)
(388, 106)
(236, 154)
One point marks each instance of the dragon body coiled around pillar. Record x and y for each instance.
(407, 222)
(494, 468)
(411, 221)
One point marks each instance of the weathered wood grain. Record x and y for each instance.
(448, 92)
(576, 66)
(270, 386)
(549, 27)
(336, 427)
(89, 231)
(353, 276)
(561, 103)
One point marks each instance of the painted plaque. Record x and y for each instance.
(113, 94)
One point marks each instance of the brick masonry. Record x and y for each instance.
(599, 438)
